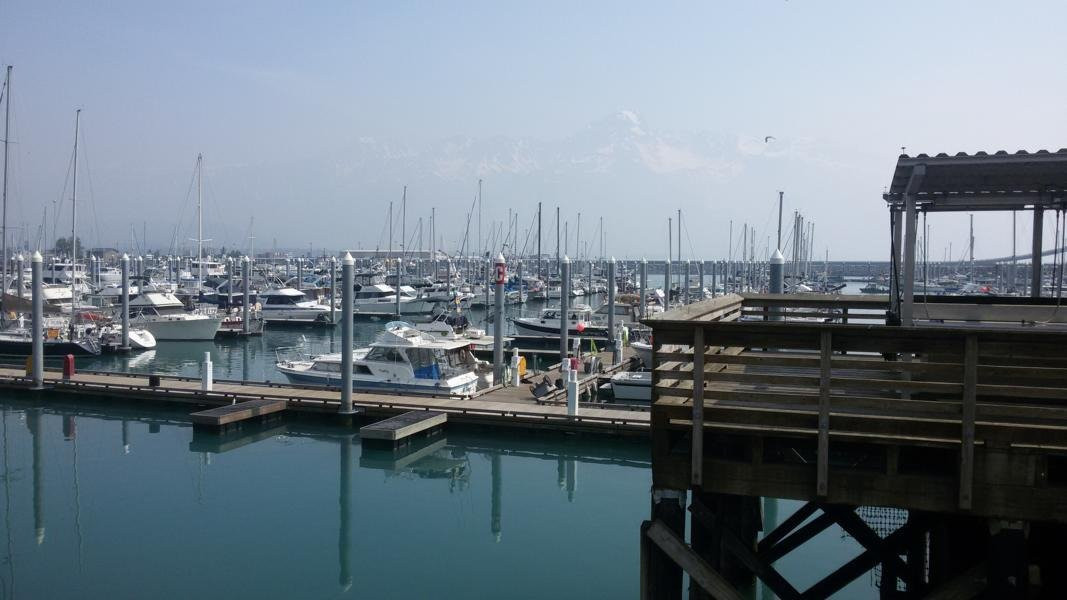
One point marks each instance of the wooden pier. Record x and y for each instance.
(962, 421)
(500, 406)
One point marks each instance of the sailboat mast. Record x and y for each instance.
(74, 225)
(538, 239)
(7, 129)
(200, 220)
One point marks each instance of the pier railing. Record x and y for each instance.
(935, 417)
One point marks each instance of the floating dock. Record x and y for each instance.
(499, 406)
(230, 414)
(396, 430)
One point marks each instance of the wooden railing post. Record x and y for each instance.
(823, 458)
(697, 459)
(970, 381)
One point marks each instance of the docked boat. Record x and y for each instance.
(17, 340)
(165, 316)
(579, 323)
(632, 385)
(380, 299)
(286, 305)
(401, 359)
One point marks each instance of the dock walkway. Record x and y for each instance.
(503, 407)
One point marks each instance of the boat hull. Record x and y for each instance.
(359, 384)
(182, 329)
(548, 330)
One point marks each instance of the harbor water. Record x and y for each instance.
(120, 500)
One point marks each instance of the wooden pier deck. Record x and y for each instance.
(499, 407)
(961, 422)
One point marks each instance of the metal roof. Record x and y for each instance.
(982, 181)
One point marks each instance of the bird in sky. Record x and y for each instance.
(768, 139)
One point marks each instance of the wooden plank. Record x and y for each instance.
(233, 413)
(970, 379)
(822, 467)
(696, 567)
(403, 425)
(697, 458)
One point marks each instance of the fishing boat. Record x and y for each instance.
(579, 323)
(165, 316)
(401, 359)
(17, 339)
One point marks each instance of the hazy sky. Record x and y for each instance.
(297, 105)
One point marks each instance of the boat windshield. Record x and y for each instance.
(384, 354)
(282, 300)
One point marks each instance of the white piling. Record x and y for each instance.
(206, 374)
(516, 378)
(125, 303)
(347, 276)
(37, 327)
(572, 393)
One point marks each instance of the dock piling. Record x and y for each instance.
(20, 265)
(125, 303)
(643, 285)
(206, 374)
(333, 290)
(564, 297)
(498, 320)
(572, 393)
(616, 348)
(229, 282)
(245, 290)
(667, 285)
(516, 377)
(685, 284)
(37, 326)
(347, 265)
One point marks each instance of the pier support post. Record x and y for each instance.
(347, 266)
(516, 377)
(37, 325)
(662, 578)
(246, 265)
(498, 320)
(1035, 252)
(572, 393)
(399, 282)
(20, 264)
(207, 374)
(333, 290)
(667, 285)
(230, 279)
(616, 350)
(299, 273)
(700, 276)
(564, 299)
(643, 288)
(685, 282)
(125, 303)
(589, 287)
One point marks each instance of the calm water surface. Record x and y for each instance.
(104, 500)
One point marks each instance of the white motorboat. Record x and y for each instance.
(401, 358)
(579, 317)
(643, 350)
(286, 305)
(380, 299)
(166, 318)
(632, 385)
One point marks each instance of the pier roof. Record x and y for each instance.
(982, 181)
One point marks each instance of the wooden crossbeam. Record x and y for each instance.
(859, 565)
(797, 538)
(787, 526)
(696, 567)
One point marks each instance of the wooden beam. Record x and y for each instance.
(785, 527)
(697, 568)
(799, 537)
(697, 461)
(970, 380)
(823, 464)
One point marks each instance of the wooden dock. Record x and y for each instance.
(500, 407)
(396, 429)
(229, 414)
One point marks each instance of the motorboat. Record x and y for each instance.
(287, 305)
(579, 323)
(380, 299)
(450, 325)
(166, 317)
(632, 385)
(401, 359)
